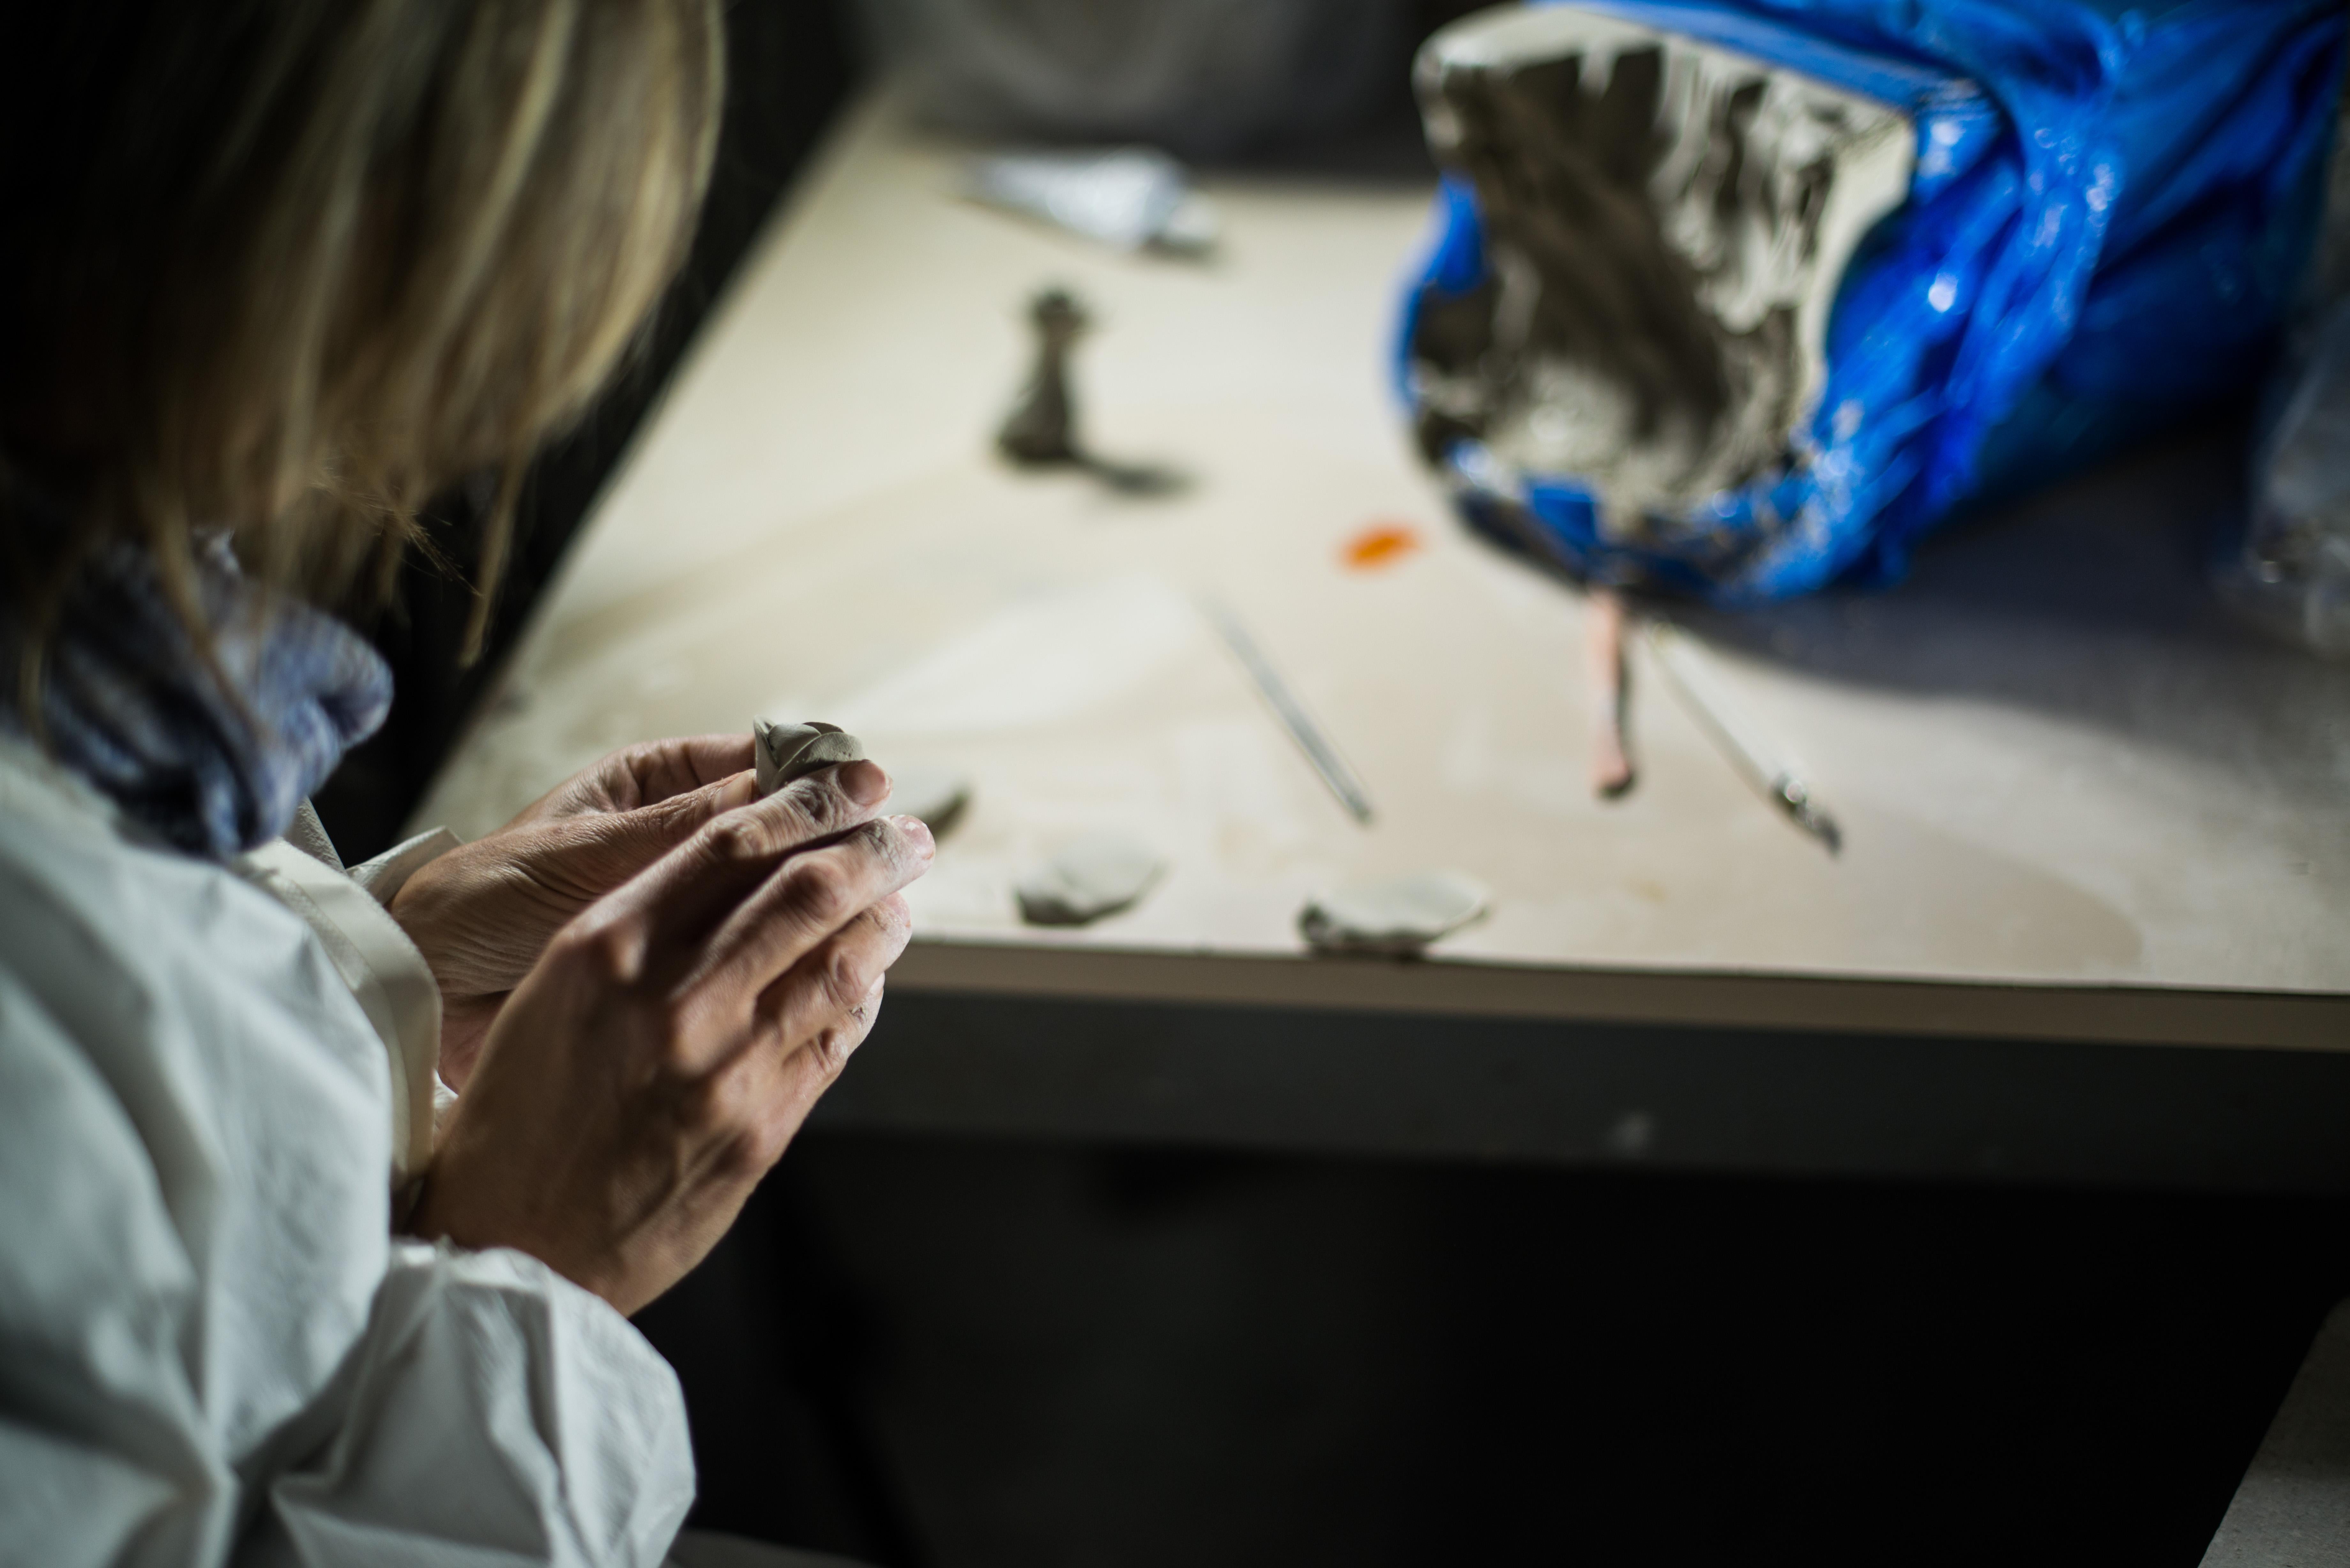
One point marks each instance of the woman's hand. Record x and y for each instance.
(483, 913)
(653, 1063)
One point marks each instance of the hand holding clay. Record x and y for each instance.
(935, 796)
(483, 913)
(654, 1062)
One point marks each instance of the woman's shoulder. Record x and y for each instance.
(121, 939)
(70, 863)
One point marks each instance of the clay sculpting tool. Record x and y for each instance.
(1327, 762)
(1764, 768)
(1603, 654)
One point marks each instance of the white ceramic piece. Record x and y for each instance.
(1092, 877)
(1400, 915)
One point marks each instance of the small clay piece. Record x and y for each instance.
(1611, 762)
(1092, 877)
(933, 795)
(1042, 428)
(786, 752)
(1400, 916)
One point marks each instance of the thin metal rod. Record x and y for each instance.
(1327, 762)
(1754, 759)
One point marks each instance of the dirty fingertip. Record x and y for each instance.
(918, 833)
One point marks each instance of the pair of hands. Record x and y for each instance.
(647, 978)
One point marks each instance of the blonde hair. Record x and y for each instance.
(331, 257)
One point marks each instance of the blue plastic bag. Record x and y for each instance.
(2109, 213)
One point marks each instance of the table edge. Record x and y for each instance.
(2121, 1014)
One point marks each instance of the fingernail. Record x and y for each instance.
(864, 782)
(918, 833)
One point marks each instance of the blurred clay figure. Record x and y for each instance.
(1041, 431)
(1042, 428)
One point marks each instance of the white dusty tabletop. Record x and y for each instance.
(2059, 770)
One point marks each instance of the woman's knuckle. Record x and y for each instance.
(820, 887)
(820, 803)
(711, 1105)
(846, 975)
(761, 1142)
(737, 837)
(608, 954)
(829, 1051)
(672, 1038)
(675, 1096)
(662, 1044)
(721, 1130)
(744, 1156)
(897, 916)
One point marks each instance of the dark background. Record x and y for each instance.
(955, 1353)
(946, 1352)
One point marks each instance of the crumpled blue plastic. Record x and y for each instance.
(2110, 211)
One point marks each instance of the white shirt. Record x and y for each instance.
(212, 1350)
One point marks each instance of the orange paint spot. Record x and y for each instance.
(1380, 545)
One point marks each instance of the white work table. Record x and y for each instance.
(2091, 919)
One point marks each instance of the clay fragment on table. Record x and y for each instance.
(786, 752)
(1095, 876)
(1400, 915)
